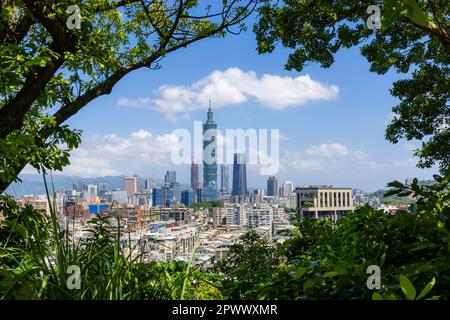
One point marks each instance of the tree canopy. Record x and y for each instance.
(414, 39)
(48, 71)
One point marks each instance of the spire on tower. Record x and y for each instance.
(210, 113)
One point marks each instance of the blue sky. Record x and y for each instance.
(336, 140)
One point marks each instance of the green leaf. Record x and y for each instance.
(407, 288)
(309, 284)
(376, 296)
(391, 12)
(331, 274)
(427, 288)
(300, 272)
(423, 245)
(395, 184)
(415, 13)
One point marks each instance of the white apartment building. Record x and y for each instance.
(219, 216)
(236, 216)
(259, 217)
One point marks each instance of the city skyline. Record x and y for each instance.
(326, 136)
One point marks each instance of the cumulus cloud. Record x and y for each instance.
(136, 103)
(328, 150)
(234, 86)
(112, 154)
(333, 156)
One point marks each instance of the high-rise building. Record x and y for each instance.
(92, 189)
(120, 196)
(272, 186)
(131, 185)
(102, 188)
(176, 187)
(149, 184)
(239, 175)
(209, 151)
(195, 178)
(208, 194)
(224, 179)
(170, 177)
(77, 187)
(163, 197)
(188, 197)
(287, 188)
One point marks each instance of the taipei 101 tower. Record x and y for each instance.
(210, 151)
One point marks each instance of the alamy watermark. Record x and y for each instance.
(374, 280)
(374, 20)
(74, 21)
(213, 147)
(74, 279)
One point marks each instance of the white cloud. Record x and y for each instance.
(408, 162)
(112, 154)
(234, 86)
(336, 157)
(302, 164)
(136, 103)
(332, 150)
(359, 155)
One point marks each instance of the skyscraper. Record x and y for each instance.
(149, 184)
(131, 185)
(224, 179)
(92, 189)
(195, 179)
(102, 188)
(170, 177)
(287, 188)
(239, 175)
(272, 186)
(209, 151)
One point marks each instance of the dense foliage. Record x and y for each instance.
(35, 256)
(319, 260)
(325, 261)
(48, 73)
(414, 40)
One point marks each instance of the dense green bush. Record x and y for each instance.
(319, 260)
(325, 261)
(29, 237)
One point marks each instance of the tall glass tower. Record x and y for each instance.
(210, 151)
(239, 175)
(224, 179)
(195, 183)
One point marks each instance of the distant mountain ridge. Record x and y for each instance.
(34, 184)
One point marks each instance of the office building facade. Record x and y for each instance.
(195, 177)
(272, 187)
(224, 179)
(170, 177)
(239, 175)
(131, 185)
(324, 202)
